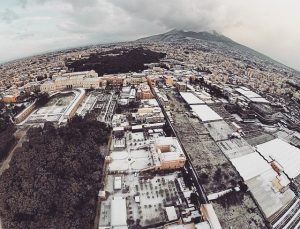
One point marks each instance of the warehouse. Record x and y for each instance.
(190, 98)
(118, 213)
(245, 165)
(205, 113)
(286, 155)
(251, 96)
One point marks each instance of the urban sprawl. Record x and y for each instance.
(200, 139)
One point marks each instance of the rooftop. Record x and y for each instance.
(286, 155)
(205, 113)
(190, 98)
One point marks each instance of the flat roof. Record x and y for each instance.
(209, 213)
(259, 100)
(248, 93)
(118, 212)
(250, 165)
(171, 156)
(171, 213)
(286, 155)
(118, 183)
(190, 98)
(267, 196)
(205, 113)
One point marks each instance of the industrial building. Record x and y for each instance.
(118, 213)
(205, 113)
(191, 99)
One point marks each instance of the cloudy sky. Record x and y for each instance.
(33, 26)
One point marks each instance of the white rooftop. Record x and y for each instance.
(248, 93)
(171, 213)
(259, 100)
(205, 113)
(118, 212)
(190, 98)
(250, 165)
(286, 155)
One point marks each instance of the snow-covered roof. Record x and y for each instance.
(205, 113)
(118, 212)
(250, 165)
(171, 213)
(190, 98)
(286, 155)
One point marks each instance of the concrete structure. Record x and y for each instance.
(167, 153)
(171, 213)
(113, 80)
(9, 99)
(117, 183)
(286, 155)
(210, 215)
(88, 79)
(191, 99)
(251, 96)
(118, 213)
(144, 92)
(25, 113)
(205, 113)
(61, 107)
(169, 80)
(181, 86)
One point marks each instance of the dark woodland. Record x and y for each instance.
(54, 179)
(119, 61)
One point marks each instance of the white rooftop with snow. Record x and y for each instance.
(118, 212)
(205, 113)
(190, 98)
(250, 165)
(252, 96)
(286, 155)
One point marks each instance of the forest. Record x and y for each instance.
(7, 138)
(117, 61)
(54, 179)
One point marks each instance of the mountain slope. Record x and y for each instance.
(174, 35)
(216, 41)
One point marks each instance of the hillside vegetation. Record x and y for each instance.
(7, 138)
(117, 61)
(54, 179)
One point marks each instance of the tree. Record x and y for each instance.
(194, 199)
(54, 179)
(7, 138)
(42, 99)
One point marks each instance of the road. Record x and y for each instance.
(189, 166)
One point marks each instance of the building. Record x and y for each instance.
(25, 113)
(9, 99)
(117, 183)
(144, 92)
(135, 80)
(152, 80)
(169, 80)
(181, 86)
(113, 80)
(167, 153)
(118, 213)
(171, 213)
(87, 79)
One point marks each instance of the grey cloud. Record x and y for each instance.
(8, 16)
(23, 3)
(76, 4)
(253, 23)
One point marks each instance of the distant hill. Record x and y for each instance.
(218, 41)
(175, 35)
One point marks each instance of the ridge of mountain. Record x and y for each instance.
(176, 35)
